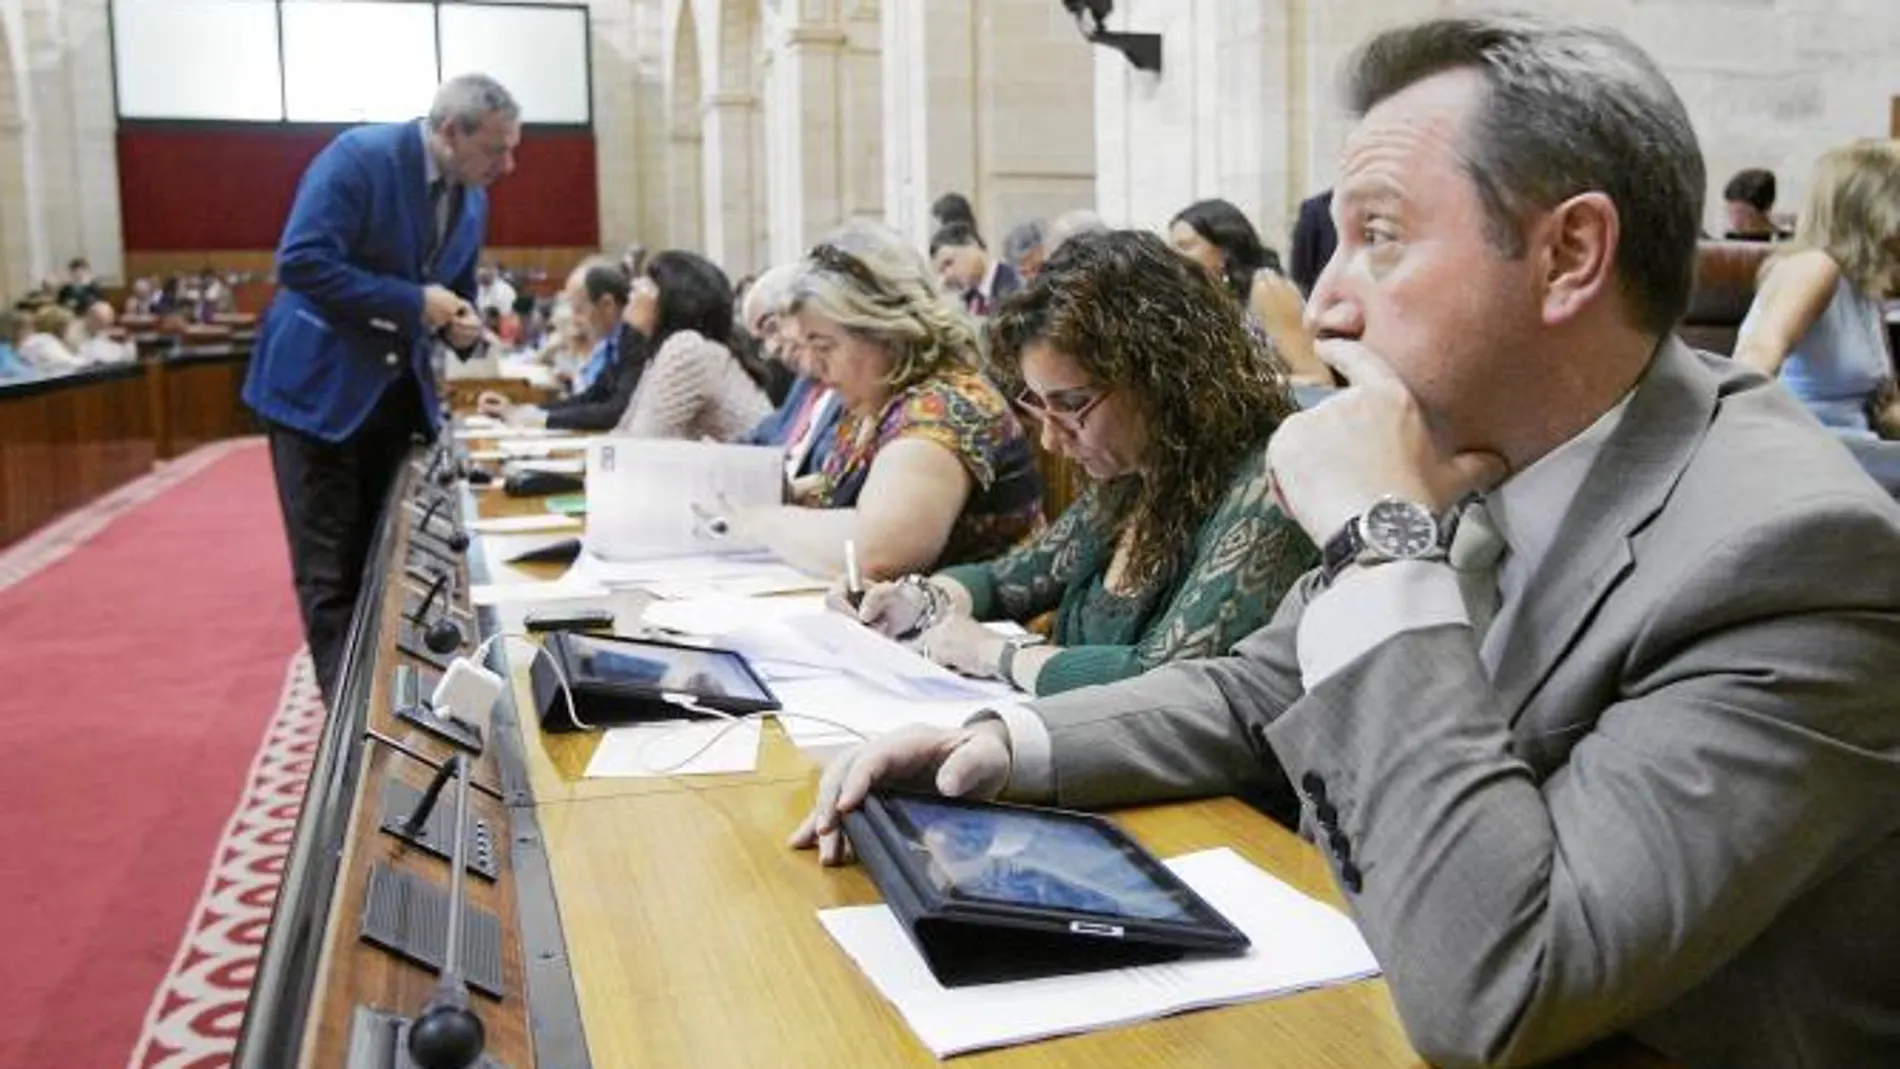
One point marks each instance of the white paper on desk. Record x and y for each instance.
(834, 641)
(720, 615)
(503, 432)
(1298, 944)
(553, 465)
(702, 576)
(541, 447)
(650, 498)
(825, 710)
(677, 748)
(524, 524)
(562, 589)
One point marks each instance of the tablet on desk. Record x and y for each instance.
(620, 680)
(994, 892)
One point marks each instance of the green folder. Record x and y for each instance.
(568, 504)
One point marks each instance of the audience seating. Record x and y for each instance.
(1724, 288)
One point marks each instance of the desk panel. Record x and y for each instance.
(67, 440)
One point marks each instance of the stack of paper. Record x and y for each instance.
(1298, 943)
(677, 748)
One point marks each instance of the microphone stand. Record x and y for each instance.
(447, 1034)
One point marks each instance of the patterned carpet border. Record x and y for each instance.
(196, 1011)
(57, 540)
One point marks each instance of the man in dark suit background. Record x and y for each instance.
(376, 264)
(600, 294)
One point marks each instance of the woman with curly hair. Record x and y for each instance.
(928, 466)
(1139, 369)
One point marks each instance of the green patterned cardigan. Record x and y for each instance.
(1245, 557)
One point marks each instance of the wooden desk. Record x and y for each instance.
(664, 922)
(68, 439)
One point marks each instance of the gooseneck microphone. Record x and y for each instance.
(456, 539)
(446, 1034)
(441, 635)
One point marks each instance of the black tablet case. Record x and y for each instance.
(601, 705)
(965, 951)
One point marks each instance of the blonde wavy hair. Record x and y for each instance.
(867, 280)
(1853, 213)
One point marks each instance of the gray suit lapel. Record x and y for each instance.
(1629, 482)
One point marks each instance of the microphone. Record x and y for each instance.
(446, 1034)
(456, 539)
(441, 636)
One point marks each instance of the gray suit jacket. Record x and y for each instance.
(1675, 811)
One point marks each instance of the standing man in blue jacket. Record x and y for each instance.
(375, 268)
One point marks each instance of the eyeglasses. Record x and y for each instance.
(1068, 409)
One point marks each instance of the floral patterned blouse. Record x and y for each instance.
(961, 411)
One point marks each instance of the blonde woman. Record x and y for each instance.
(1816, 321)
(928, 467)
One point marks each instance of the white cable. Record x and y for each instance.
(567, 692)
(684, 701)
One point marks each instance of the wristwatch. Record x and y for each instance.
(1392, 529)
(1006, 661)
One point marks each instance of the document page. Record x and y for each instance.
(1298, 943)
(649, 498)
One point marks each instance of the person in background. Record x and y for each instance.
(13, 366)
(214, 296)
(530, 322)
(568, 348)
(952, 208)
(103, 342)
(343, 375)
(1023, 249)
(696, 386)
(143, 298)
(751, 349)
(1816, 321)
(1216, 235)
(1314, 240)
(1624, 757)
(81, 290)
(493, 290)
(1748, 199)
(1140, 370)
(929, 467)
(965, 268)
(1069, 224)
(45, 346)
(805, 423)
(601, 298)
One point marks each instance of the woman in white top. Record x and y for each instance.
(1816, 322)
(46, 347)
(695, 386)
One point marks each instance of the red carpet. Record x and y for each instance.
(144, 644)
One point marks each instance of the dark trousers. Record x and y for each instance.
(332, 497)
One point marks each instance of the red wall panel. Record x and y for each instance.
(230, 187)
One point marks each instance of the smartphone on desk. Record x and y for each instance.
(541, 620)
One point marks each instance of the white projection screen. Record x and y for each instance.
(341, 61)
(357, 60)
(197, 59)
(539, 53)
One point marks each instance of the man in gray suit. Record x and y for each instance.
(1660, 793)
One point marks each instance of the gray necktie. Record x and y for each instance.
(1476, 549)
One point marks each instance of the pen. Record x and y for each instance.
(853, 581)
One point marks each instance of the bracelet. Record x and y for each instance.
(933, 605)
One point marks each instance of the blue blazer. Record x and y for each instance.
(346, 322)
(776, 427)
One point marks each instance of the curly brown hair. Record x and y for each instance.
(1140, 318)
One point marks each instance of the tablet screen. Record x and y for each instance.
(1024, 858)
(703, 673)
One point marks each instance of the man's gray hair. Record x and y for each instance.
(602, 276)
(767, 294)
(1569, 110)
(1070, 224)
(467, 99)
(1021, 240)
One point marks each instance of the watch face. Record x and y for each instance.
(1400, 530)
